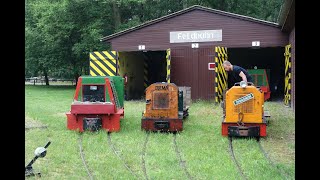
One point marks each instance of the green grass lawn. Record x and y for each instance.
(203, 151)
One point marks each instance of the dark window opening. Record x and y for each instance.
(93, 93)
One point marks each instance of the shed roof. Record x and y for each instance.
(191, 8)
(287, 15)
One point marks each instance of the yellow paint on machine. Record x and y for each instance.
(246, 110)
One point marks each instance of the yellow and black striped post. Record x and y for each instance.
(146, 73)
(168, 57)
(287, 88)
(104, 63)
(221, 74)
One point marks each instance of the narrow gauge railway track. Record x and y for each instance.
(120, 157)
(143, 156)
(235, 160)
(285, 174)
(114, 150)
(83, 157)
(178, 153)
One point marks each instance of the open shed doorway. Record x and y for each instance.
(270, 58)
(142, 69)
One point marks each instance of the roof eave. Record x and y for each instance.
(285, 20)
(191, 8)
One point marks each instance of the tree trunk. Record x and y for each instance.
(76, 76)
(116, 15)
(46, 77)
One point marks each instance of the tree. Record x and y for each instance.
(60, 34)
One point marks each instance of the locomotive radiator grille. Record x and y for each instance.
(245, 107)
(160, 100)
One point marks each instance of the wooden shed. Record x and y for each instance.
(185, 48)
(287, 22)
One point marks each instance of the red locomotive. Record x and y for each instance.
(97, 103)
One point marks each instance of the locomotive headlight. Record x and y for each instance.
(243, 84)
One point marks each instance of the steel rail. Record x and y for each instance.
(119, 156)
(234, 158)
(181, 162)
(83, 157)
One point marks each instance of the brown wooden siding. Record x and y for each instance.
(181, 68)
(189, 67)
(293, 69)
(206, 77)
(235, 32)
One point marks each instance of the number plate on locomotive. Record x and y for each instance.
(243, 99)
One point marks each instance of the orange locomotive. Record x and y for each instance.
(243, 111)
(165, 108)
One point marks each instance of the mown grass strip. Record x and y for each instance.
(200, 143)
